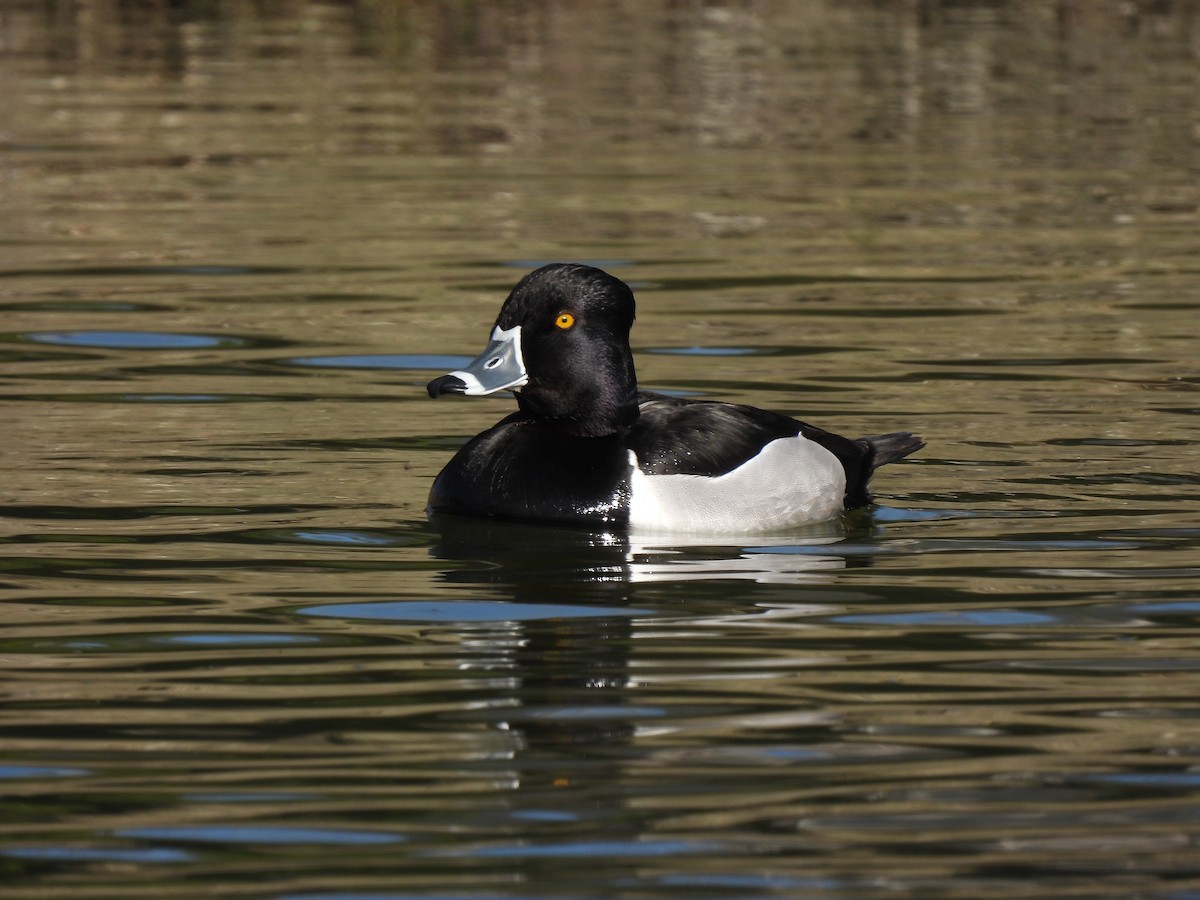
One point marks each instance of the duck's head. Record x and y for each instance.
(561, 344)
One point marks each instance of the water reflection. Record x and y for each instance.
(564, 645)
(532, 559)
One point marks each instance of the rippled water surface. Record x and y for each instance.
(238, 661)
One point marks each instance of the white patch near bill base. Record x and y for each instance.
(792, 481)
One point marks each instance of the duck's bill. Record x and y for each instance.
(498, 368)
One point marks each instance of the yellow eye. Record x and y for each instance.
(564, 321)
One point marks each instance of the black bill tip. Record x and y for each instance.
(447, 384)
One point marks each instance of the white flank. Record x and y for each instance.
(792, 481)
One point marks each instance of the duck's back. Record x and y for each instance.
(673, 436)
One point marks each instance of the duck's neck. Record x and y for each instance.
(603, 408)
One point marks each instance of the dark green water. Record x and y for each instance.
(236, 661)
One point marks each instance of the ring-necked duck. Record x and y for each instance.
(587, 447)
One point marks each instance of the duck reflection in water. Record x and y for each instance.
(537, 560)
(570, 649)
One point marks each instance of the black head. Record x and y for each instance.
(561, 342)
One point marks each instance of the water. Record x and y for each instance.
(237, 660)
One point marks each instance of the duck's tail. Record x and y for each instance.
(887, 448)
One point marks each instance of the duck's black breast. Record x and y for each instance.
(527, 470)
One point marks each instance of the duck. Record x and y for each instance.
(586, 447)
